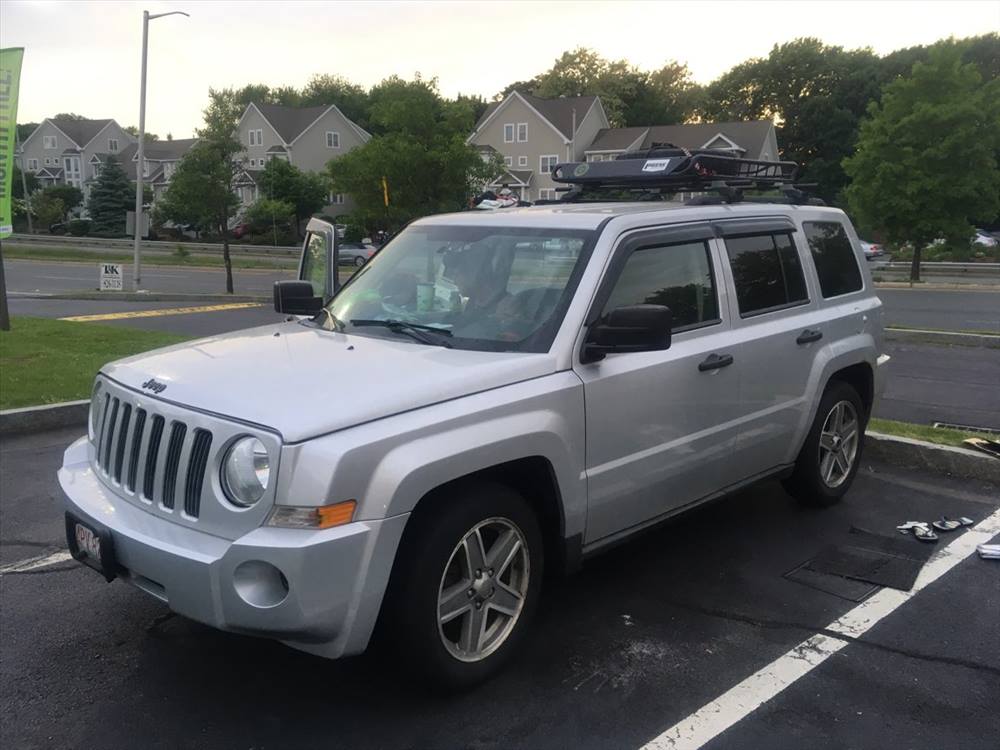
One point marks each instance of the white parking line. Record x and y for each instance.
(34, 563)
(740, 701)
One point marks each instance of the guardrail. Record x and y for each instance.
(941, 267)
(163, 246)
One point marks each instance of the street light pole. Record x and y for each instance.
(140, 155)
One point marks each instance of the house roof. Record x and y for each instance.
(517, 177)
(749, 135)
(81, 131)
(277, 149)
(248, 177)
(558, 111)
(485, 148)
(290, 122)
(50, 172)
(159, 150)
(70, 151)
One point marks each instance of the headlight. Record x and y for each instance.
(246, 472)
(96, 410)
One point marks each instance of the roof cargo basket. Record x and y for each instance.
(666, 169)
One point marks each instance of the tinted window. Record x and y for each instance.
(766, 271)
(678, 276)
(836, 263)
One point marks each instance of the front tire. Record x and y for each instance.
(830, 457)
(359, 261)
(465, 584)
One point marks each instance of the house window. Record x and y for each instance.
(48, 161)
(113, 145)
(253, 138)
(522, 132)
(522, 161)
(49, 141)
(332, 139)
(547, 162)
(256, 137)
(145, 167)
(508, 133)
(336, 199)
(97, 169)
(546, 194)
(32, 164)
(508, 161)
(597, 157)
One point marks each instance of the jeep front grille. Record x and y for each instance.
(165, 460)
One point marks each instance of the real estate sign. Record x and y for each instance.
(10, 76)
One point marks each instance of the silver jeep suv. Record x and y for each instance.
(530, 387)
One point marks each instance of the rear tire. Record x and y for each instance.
(359, 261)
(830, 457)
(474, 527)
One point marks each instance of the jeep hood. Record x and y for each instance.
(304, 382)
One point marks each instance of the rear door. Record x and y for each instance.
(661, 426)
(774, 316)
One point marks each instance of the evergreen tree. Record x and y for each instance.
(112, 195)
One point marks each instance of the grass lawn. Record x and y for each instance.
(44, 361)
(940, 435)
(148, 258)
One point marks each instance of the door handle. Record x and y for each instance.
(807, 337)
(715, 362)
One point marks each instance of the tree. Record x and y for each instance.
(816, 93)
(926, 162)
(305, 192)
(24, 129)
(351, 99)
(419, 149)
(133, 131)
(630, 96)
(267, 215)
(68, 116)
(201, 191)
(70, 196)
(18, 184)
(111, 197)
(47, 208)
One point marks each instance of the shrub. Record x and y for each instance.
(78, 227)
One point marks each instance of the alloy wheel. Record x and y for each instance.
(483, 589)
(838, 443)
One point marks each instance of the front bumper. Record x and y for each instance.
(335, 577)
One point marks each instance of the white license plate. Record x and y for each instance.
(88, 542)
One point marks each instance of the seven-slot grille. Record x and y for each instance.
(136, 449)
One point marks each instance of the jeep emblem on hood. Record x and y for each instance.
(154, 386)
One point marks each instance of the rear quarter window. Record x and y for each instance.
(834, 258)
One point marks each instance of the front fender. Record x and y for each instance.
(388, 465)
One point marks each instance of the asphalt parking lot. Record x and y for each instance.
(664, 641)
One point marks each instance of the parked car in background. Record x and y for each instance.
(984, 239)
(872, 250)
(355, 253)
(241, 230)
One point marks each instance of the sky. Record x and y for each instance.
(84, 56)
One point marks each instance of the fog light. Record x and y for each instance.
(260, 584)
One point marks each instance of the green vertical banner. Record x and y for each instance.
(10, 77)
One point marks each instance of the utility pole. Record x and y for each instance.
(140, 155)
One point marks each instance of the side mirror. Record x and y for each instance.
(635, 328)
(296, 298)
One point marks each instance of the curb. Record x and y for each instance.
(955, 338)
(153, 297)
(939, 286)
(40, 418)
(908, 453)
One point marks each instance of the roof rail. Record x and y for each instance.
(665, 169)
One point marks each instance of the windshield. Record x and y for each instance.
(484, 288)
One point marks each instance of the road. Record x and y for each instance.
(645, 637)
(918, 308)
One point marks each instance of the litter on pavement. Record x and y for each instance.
(989, 551)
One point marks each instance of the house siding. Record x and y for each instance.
(542, 139)
(254, 156)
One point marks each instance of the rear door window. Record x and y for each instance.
(767, 272)
(834, 258)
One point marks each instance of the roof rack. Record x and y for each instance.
(665, 169)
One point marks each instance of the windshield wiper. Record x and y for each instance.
(413, 330)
